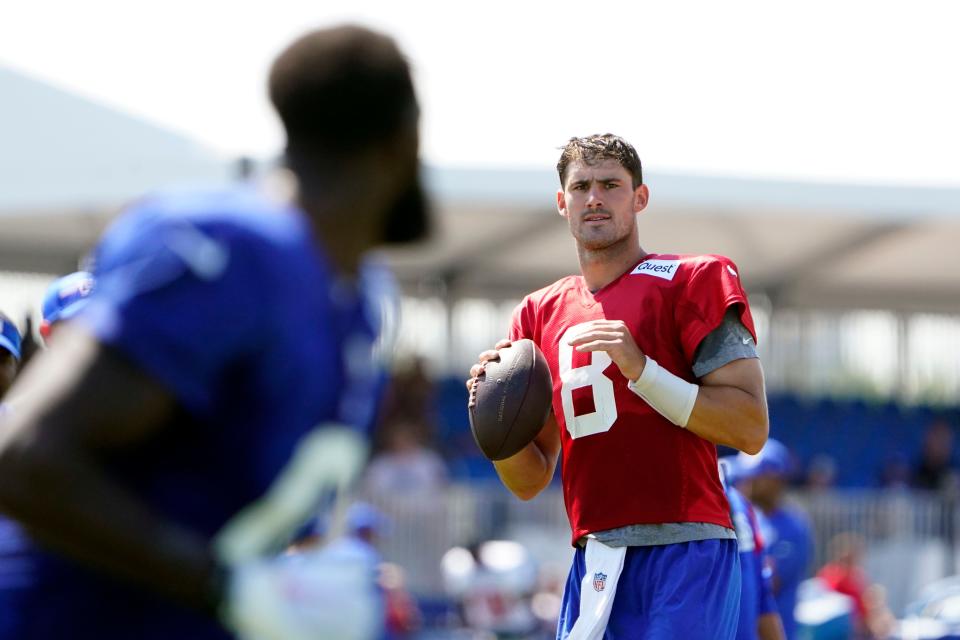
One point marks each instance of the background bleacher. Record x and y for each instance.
(862, 438)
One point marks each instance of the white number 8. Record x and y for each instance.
(604, 401)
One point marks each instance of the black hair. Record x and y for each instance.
(341, 89)
(597, 148)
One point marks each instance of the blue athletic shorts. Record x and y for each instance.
(688, 591)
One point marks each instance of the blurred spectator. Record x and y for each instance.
(405, 465)
(65, 297)
(10, 343)
(844, 574)
(310, 535)
(10, 359)
(364, 527)
(29, 346)
(935, 470)
(547, 600)
(759, 615)
(895, 471)
(409, 400)
(785, 526)
(404, 618)
(405, 460)
(821, 472)
(494, 583)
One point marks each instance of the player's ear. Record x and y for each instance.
(561, 203)
(641, 195)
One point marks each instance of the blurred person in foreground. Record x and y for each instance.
(227, 345)
(759, 616)
(786, 527)
(654, 363)
(844, 574)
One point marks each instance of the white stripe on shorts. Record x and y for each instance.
(599, 586)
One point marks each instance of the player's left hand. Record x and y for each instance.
(477, 370)
(614, 337)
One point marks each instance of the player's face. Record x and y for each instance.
(600, 204)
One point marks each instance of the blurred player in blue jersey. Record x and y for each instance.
(759, 618)
(785, 527)
(184, 423)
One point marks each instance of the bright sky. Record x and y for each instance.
(828, 90)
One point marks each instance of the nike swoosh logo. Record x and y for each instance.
(747, 340)
(204, 256)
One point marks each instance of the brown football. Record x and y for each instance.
(511, 400)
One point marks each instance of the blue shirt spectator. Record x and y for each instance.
(756, 587)
(786, 528)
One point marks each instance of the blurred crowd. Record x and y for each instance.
(935, 468)
(422, 438)
(417, 453)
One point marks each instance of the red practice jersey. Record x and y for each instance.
(623, 463)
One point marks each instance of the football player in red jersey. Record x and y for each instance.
(654, 363)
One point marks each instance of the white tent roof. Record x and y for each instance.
(67, 166)
(60, 150)
(811, 245)
(65, 162)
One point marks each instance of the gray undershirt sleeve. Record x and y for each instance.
(728, 342)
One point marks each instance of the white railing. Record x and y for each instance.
(910, 536)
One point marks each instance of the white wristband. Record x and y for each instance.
(671, 396)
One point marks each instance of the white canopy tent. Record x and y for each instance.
(803, 245)
(67, 166)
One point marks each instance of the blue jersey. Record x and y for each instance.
(756, 588)
(790, 542)
(226, 300)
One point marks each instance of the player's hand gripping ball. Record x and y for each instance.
(510, 400)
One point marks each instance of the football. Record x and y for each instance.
(511, 400)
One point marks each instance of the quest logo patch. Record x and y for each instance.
(665, 269)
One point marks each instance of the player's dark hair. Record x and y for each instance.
(341, 89)
(597, 148)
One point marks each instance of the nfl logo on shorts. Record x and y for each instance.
(599, 581)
